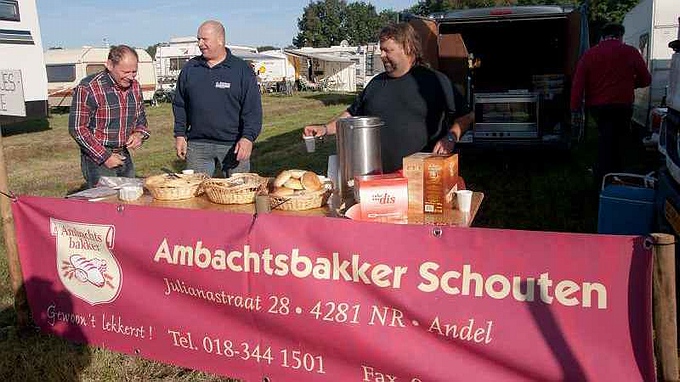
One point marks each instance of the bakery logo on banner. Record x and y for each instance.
(85, 263)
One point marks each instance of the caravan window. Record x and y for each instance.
(176, 63)
(61, 73)
(94, 68)
(9, 10)
(643, 45)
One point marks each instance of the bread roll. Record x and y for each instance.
(282, 191)
(286, 175)
(290, 182)
(282, 178)
(311, 181)
(297, 174)
(294, 184)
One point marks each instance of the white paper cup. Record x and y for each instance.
(187, 172)
(464, 198)
(310, 143)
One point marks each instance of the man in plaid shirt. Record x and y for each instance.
(107, 117)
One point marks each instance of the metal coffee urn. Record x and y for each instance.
(358, 146)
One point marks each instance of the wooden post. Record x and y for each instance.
(664, 307)
(20, 301)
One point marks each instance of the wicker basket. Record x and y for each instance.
(303, 201)
(168, 187)
(238, 189)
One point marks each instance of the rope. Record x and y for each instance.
(649, 242)
(10, 195)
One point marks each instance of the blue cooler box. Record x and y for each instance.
(626, 204)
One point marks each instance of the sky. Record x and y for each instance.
(141, 23)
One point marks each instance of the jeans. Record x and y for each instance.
(204, 157)
(92, 171)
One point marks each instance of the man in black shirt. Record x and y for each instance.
(415, 103)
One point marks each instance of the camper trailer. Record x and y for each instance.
(171, 57)
(272, 68)
(650, 26)
(514, 66)
(334, 68)
(21, 49)
(67, 67)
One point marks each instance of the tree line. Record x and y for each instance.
(325, 23)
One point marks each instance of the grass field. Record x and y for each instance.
(529, 190)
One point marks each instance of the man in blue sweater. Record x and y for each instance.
(217, 107)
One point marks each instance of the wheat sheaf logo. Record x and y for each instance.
(85, 263)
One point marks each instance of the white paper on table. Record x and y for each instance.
(93, 194)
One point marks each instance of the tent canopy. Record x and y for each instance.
(318, 56)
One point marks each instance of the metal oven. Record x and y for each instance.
(506, 115)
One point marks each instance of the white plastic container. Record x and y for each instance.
(130, 193)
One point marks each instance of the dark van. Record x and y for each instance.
(514, 65)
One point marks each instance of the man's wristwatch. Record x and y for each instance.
(450, 137)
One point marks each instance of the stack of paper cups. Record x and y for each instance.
(332, 172)
(262, 204)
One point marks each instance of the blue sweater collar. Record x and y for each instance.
(228, 62)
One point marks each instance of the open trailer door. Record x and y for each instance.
(578, 42)
(446, 53)
(429, 38)
(453, 61)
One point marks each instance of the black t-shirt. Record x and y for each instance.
(416, 108)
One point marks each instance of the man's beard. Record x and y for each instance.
(389, 67)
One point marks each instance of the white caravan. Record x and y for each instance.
(21, 49)
(273, 66)
(337, 68)
(171, 57)
(67, 67)
(650, 26)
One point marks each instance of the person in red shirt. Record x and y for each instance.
(606, 76)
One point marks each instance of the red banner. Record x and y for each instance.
(313, 298)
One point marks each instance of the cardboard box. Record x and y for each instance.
(432, 181)
(413, 168)
(382, 196)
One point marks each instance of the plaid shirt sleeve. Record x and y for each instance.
(82, 111)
